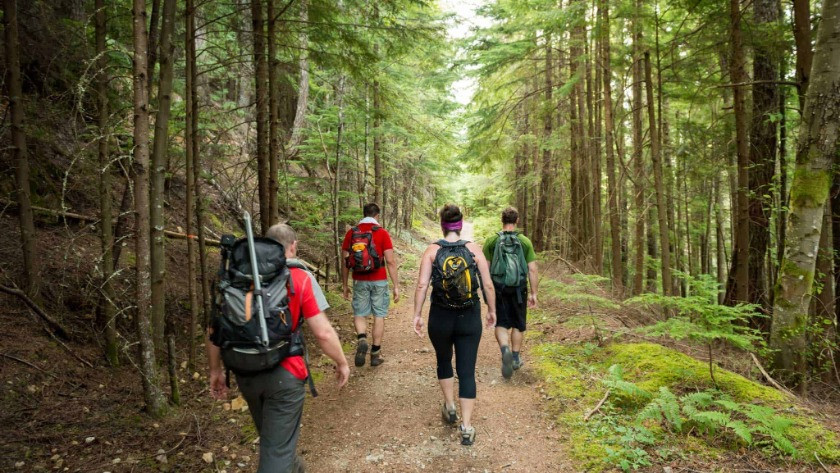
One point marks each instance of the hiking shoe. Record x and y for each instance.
(507, 363)
(361, 352)
(449, 414)
(467, 435)
(517, 364)
(376, 359)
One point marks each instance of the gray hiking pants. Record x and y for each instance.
(275, 399)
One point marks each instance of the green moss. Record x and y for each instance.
(810, 188)
(572, 381)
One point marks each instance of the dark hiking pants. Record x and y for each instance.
(275, 399)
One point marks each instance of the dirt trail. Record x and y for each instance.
(388, 417)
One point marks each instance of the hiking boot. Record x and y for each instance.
(467, 435)
(376, 358)
(507, 363)
(361, 352)
(449, 414)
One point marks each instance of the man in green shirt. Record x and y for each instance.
(513, 265)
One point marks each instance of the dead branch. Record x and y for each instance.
(55, 327)
(32, 365)
(769, 378)
(597, 406)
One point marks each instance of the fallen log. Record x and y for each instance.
(54, 326)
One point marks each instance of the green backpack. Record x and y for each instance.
(509, 270)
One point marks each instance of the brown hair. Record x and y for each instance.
(451, 213)
(510, 216)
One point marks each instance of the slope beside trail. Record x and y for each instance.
(388, 418)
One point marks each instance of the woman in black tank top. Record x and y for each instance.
(455, 314)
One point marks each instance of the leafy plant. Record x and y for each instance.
(699, 317)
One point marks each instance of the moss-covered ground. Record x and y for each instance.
(574, 376)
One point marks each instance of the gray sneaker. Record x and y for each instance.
(450, 416)
(507, 362)
(361, 351)
(467, 435)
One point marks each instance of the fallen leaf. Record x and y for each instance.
(238, 404)
(207, 457)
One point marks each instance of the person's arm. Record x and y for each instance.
(331, 346)
(218, 384)
(422, 289)
(393, 272)
(487, 284)
(534, 279)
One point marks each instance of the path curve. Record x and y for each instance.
(388, 417)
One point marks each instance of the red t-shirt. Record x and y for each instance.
(381, 241)
(301, 302)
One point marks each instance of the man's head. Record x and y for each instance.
(286, 236)
(370, 210)
(510, 216)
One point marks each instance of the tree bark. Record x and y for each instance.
(762, 153)
(189, 139)
(107, 300)
(303, 91)
(540, 225)
(804, 53)
(638, 164)
(659, 185)
(616, 264)
(738, 75)
(273, 115)
(160, 163)
(811, 182)
(152, 394)
(20, 155)
(260, 85)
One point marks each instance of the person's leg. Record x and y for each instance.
(251, 388)
(520, 312)
(504, 322)
(440, 333)
(468, 336)
(516, 340)
(361, 309)
(502, 336)
(380, 302)
(282, 410)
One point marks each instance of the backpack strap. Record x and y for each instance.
(450, 244)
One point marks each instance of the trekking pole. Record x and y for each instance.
(256, 275)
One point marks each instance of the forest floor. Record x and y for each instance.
(60, 415)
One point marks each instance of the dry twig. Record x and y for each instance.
(597, 406)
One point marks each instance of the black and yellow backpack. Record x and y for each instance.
(455, 278)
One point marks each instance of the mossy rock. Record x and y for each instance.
(572, 376)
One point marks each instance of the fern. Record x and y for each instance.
(616, 382)
(741, 430)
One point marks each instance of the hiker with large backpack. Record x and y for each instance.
(367, 251)
(260, 306)
(512, 266)
(456, 270)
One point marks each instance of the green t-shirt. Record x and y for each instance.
(527, 247)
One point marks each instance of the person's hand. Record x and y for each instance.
(342, 374)
(418, 325)
(396, 293)
(532, 301)
(491, 318)
(218, 387)
(346, 293)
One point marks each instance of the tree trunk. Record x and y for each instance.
(273, 115)
(154, 19)
(189, 139)
(303, 91)
(738, 75)
(336, 185)
(762, 154)
(659, 185)
(823, 302)
(153, 396)
(160, 163)
(260, 85)
(107, 300)
(809, 191)
(19, 152)
(616, 264)
(804, 53)
(835, 233)
(720, 239)
(540, 224)
(638, 164)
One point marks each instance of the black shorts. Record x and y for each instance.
(511, 308)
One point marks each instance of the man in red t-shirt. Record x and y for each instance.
(275, 397)
(370, 288)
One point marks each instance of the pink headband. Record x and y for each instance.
(452, 226)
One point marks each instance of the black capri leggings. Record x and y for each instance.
(461, 329)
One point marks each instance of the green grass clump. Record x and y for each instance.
(627, 434)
